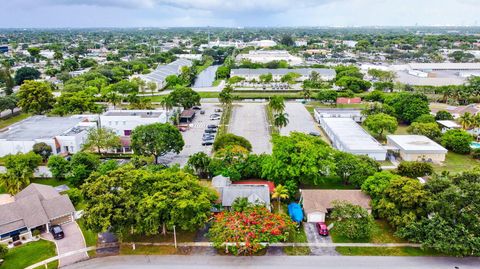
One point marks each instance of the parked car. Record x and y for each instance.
(210, 131)
(196, 107)
(215, 118)
(212, 126)
(314, 133)
(207, 143)
(202, 112)
(218, 110)
(57, 232)
(182, 128)
(322, 228)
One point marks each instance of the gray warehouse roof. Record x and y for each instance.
(39, 127)
(282, 71)
(163, 71)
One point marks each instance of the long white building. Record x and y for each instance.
(265, 56)
(124, 121)
(64, 134)
(277, 74)
(346, 135)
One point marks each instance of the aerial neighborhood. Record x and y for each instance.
(238, 142)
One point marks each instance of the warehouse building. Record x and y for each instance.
(416, 148)
(346, 135)
(277, 74)
(163, 71)
(266, 56)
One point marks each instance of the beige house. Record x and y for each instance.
(416, 148)
(317, 203)
(37, 207)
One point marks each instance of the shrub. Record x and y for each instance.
(231, 140)
(3, 251)
(351, 221)
(75, 196)
(457, 141)
(414, 169)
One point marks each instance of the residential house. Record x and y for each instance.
(255, 193)
(416, 148)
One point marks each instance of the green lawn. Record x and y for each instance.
(12, 120)
(28, 254)
(298, 236)
(380, 251)
(51, 182)
(90, 237)
(217, 82)
(456, 163)
(382, 233)
(126, 249)
(182, 236)
(402, 129)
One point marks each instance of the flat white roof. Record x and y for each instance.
(448, 123)
(445, 66)
(415, 144)
(41, 127)
(352, 136)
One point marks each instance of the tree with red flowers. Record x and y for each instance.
(247, 230)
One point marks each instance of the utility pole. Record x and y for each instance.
(174, 236)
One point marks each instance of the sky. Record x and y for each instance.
(236, 13)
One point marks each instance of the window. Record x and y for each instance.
(127, 132)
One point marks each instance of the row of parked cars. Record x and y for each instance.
(211, 130)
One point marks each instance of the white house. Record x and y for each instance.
(346, 135)
(124, 121)
(448, 125)
(63, 134)
(417, 148)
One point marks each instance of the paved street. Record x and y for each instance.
(277, 262)
(250, 121)
(314, 237)
(193, 137)
(299, 119)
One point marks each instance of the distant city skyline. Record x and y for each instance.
(237, 13)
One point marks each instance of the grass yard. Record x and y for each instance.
(90, 237)
(126, 249)
(298, 236)
(456, 163)
(216, 82)
(380, 251)
(382, 233)
(51, 182)
(402, 129)
(28, 254)
(182, 236)
(11, 120)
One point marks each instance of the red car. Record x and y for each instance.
(322, 228)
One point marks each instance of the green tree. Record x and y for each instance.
(81, 165)
(280, 193)
(277, 103)
(185, 97)
(75, 196)
(223, 72)
(425, 118)
(225, 97)
(408, 106)
(58, 166)
(327, 96)
(156, 140)
(443, 115)
(380, 123)
(3, 250)
(113, 98)
(20, 168)
(101, 138)
(353, 84)
(43, 150)
(266, 78)
(290, 77)
(354, 169)
(167, 103)
(376, 185)
(457, 141)
(75, 103)
(200, 162)
(287, 40)
(26, 73)
(35, 97)
(351, 221)
(414, 169)
(280, 120)
(467, 121)
(9, 102)
(430, 130)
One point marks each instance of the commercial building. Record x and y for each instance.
(435, 74)
(346, 135)
(277, 74)
(124, 121)
(416, 148)
(266, 56)
(263, 43)
(317, 203)
(354, 114)
(37, 207)
(163, 71)
(64, 134)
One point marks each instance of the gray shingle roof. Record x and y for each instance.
(254, 194)
(321, 200)
(163, 71)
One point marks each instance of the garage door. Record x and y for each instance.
(61, 220)
(316, 217)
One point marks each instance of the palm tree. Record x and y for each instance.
(225, 97)
(307, 93)
(167, 103)
(280, 120)
(467, 120)
(277, 104)
(281, 193)
(113, 98)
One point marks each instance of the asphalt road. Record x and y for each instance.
(250, 121)
(299, 119)
(277, 262)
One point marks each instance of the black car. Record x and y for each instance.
(212, 126)
(218, 110)
(57, 232)
(210, 131)
(207, 143)
(196, 108)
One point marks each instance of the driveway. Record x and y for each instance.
(299, 119)
(193, 137)
(314, 237)
(73, 241)
(250, 121)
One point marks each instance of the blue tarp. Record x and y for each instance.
(295, 212)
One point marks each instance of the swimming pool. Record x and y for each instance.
(475, 145)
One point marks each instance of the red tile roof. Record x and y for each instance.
(344, 100)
